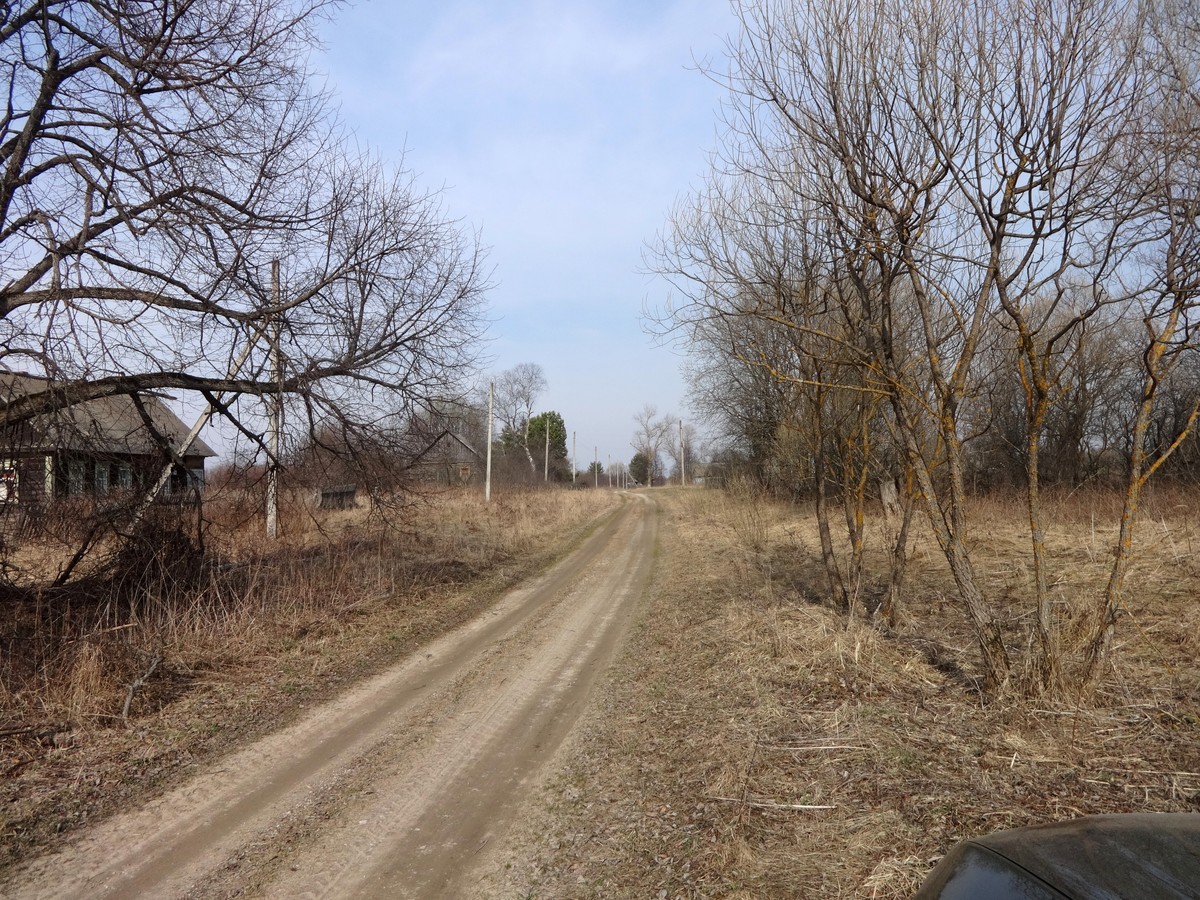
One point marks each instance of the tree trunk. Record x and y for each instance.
(1047, 664)
(1158, 364)
(898, 515)
(833, 576)
(948, 527)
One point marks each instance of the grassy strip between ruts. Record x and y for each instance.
(749, 744)
(301, 620)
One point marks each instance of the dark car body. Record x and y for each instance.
(1117, 857)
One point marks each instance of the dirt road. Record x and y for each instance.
(402, 787)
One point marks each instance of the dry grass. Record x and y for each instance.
(234, 643)
(753, 745)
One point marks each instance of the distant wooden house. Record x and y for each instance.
(442, 445)
(708, 474)
(93, 448)
(448, 459)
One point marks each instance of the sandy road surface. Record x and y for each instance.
(402, 787)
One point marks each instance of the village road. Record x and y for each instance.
(405, 785)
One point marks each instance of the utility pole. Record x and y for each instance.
(546, 473)
(574, 457)
(610, 470)
(487, 480)
(181, 451)
(596, 466)
(682, 457)
(276, 423)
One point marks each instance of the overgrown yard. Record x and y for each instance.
(753, 745)
(111, 689)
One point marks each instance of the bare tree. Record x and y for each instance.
(155, 158)
(652, 438)
(919, 192)
(1050, 100)
(683, 448)
(1162, 169)
(517, 390)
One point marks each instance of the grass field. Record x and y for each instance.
(749, 743)
(754, 745)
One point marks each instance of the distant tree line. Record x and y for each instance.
(952, 247)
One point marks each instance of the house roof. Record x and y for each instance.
(104, 425)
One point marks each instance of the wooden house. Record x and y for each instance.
(93, 448)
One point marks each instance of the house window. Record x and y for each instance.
(101, 478)
(125, 476)
(8, 481)
(75, 472)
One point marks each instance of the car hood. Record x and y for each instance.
(1092, 858)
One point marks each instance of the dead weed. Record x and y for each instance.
(752, 744)
(111, 687)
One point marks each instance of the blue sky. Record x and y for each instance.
(563, 131)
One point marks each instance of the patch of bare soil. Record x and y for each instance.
(231, 672)
(750, 744)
